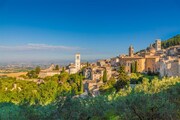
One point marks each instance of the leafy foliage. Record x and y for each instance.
(123, 79)
(159, 99)
(19, 91)
(37, 70)
(133, 69)
(32, 74)
(109, 86)
(171, 42)
(57, 67)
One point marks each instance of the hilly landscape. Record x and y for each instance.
(62, 97)
(89, 59)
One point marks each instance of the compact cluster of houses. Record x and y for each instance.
(94, 74)
(153, 59)
(166, 62)
(170, 63)
(71, 68)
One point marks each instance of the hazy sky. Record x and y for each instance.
(57, 29)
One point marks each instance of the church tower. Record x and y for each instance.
(158, 45)
(131, 51)
(78, 61)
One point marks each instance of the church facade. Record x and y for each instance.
(75, 67)
(146, 61)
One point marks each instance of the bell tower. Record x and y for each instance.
(158, 45)
(131, 51)
(78, 61)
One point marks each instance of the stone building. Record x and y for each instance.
(158, 45)
(96, 73)
(154, 59)
(88, 73)
(78, 62)
(131, 51)
(93, 77)
(147, 60)
(127, 61)
(173, 51)
(75, 67)
(92, 86)
(170, 64)
(170, 67)
(48, 72)
(114, 61)
(144, 64)
(71, 69)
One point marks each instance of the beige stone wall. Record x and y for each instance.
(96, 73)
(173, 69)
(170, 68)
(162, 69)
(45, 74)
(152, 64)
(72, 70)
(128, 61)
(128, 66)
(141, 65)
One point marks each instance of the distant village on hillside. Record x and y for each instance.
(154, 60)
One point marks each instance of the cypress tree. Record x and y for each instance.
(136, 66)
(133, 67)
(105, 76)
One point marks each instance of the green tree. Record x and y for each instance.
(121, 69)
(109, 86)
(123, 79)
(76, 82)
(37, 69)
(63, 70)
(136, 66)
(105, 79)
(132, 67)
(171, 42)
(57, 67)
(32, 74)
(81, 84)
(63, 77)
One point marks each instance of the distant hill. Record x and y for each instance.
(171, 42)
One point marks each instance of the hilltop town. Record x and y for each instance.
(89, 59)
(153, 60)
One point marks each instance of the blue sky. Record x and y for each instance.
(56, 29)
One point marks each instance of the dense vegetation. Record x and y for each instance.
(158, 99)
(40, 92)
(135, 97)
(171, 42)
